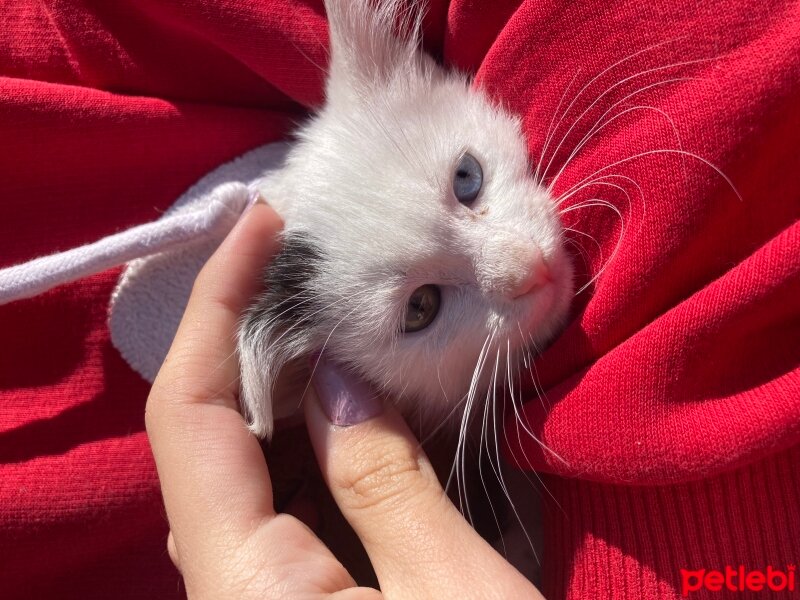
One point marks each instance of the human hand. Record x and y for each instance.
(226, 538)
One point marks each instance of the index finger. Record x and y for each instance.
(418, 542)
(214, 478)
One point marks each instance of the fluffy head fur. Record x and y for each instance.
(367, 198)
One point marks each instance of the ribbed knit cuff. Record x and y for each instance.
(612, 541)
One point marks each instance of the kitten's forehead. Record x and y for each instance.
(422, 129)
(384, 196)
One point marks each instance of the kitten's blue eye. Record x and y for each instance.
(468, 179)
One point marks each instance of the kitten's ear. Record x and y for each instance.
(277, 334)
(371, 41)
(272, 373)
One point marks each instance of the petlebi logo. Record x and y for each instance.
(739, 579)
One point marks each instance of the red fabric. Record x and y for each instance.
(632, 542)
(681, 364)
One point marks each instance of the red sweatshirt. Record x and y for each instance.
(673, 397)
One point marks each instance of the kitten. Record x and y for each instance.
(416, 240)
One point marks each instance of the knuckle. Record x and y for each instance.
(152, 410)
(183, 379)
(206, 287)
(391, 479)
(202, 281)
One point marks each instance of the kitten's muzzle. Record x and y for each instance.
(511, 266)
(536, 276)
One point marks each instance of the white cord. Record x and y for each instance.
(41, 274)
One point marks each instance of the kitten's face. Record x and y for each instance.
(429, 240)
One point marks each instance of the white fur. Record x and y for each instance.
(370, 178)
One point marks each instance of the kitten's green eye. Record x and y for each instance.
(468, 179)
(422, 308)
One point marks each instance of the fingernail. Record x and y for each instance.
(344, 399)
(255, 198)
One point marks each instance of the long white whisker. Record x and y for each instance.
(619, 115)
(609, 90)
(581, 250)
(461, 472)
(597, 181)
(708, 163)
(498, 471)
(484, 437)
(454, 471)
(518, 421)
(534, 437)
(592, 202)
(598, 76)
(596, 126)
(471, 391)
(605, 204)
(550, 130)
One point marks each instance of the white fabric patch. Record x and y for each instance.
(151, 295)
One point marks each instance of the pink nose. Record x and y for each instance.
(537, 275)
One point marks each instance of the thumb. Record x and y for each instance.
(419, 544)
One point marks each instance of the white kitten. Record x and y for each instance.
(416, 239)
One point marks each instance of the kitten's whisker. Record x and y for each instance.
(530, 366)
(491, 398)
(446, 400)
(526, 424)
(585, 254)
(608, 122)
(305, 55)
(470, 392)
(600, 180)
(597, 126)
(445, 420)
(535, 438)
(324, 47)
(657, 151)
(581, 251)
(641, 90)
(537, 379)
(517, 422)
(599, 201)
(461, 448)
(590, 203)
(499, 471)
(550, 130)
(603, 203)
(598, 76)
(609, 90)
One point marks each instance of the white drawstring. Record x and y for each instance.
(41, 274)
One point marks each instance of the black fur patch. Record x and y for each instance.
(286, 297)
